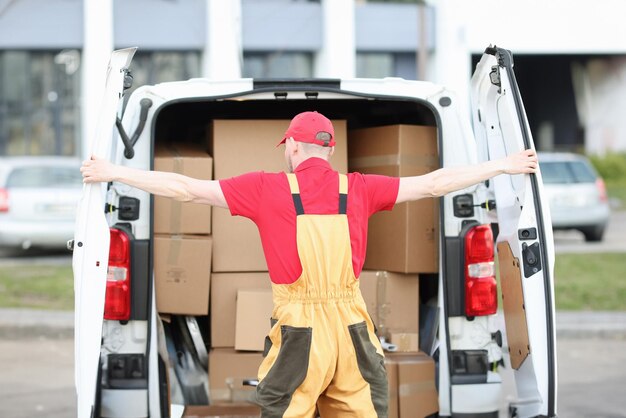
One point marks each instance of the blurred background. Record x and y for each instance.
(570, 63)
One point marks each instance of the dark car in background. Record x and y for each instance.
(38, 198)
(576, 194)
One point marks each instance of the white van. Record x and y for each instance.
(484, 361)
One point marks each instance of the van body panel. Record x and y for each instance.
(524, 227)
(365, 103)
(91, 247)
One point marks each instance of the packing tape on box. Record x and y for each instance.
(222, 394)
(408, 389)
(173, 254)
(393, 159)
(382, 307)
(175, 214)
(405, 341)
(234, 392)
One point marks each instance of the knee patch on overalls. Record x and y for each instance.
(288, 370)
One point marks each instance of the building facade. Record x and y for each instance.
(53, 53)
(570, 56)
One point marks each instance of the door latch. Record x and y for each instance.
(532, 259)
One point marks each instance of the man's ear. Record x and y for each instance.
(332, 151)
(291, 142)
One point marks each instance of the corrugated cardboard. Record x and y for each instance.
(224, 410)
(417, 394)
(406, 342)
(392, 300)
(174, 217)
(254, 307)
(405, 239)
(227, 371)
(238, 147)
(392, 382)
(224, 288)
(182, 271)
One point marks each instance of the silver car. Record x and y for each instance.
(38, 198)
(576, 194)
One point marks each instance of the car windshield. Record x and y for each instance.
(566, 172)
(43, 177)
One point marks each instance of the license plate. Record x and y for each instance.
(56, 209)
(572, 200)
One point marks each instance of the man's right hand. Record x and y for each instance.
(97, 170)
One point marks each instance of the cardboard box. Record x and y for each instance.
(224, 288)
(182, 271)
(174, 217)
(405, 239)
(223, 410)
(238, 147)
(392, 382)
(252, 325)
(405, 341)
(227, 371)
(413, 393)
(392, 300)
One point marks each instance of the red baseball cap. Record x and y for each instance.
(305, 127)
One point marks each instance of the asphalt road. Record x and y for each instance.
(37, 378)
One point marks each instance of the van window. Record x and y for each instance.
(41, 177)
(554, 172)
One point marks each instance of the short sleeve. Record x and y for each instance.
(382, 192)
(243, 194)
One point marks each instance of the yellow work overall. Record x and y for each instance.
(322, 350)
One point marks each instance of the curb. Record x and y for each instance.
(590, 324)
(16, 323)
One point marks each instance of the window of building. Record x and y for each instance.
(386, 64)
(277, 64)
(39, 102)
(158, 67)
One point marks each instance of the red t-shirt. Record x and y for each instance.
(266, 199)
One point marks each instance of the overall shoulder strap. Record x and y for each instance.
(295, 193)
(343, 194)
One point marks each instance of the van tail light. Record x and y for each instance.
(602, 190)
(4, 200)
(480, 279)
(117, 300)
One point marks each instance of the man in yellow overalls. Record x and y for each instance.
(321, 352)
(324, 349)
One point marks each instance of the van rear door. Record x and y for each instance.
(91, 248)
(524, 242)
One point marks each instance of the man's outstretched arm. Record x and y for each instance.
(159, 183)
(445, 180)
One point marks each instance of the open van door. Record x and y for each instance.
(524, 242)
(91, 248)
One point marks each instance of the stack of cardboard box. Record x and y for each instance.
(182, 240)
(241, 299)
(402, 245)
(405, 239)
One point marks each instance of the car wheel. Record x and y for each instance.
(593, 233)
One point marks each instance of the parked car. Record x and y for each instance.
(121, 354)
(576, 194)
(38, 198)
